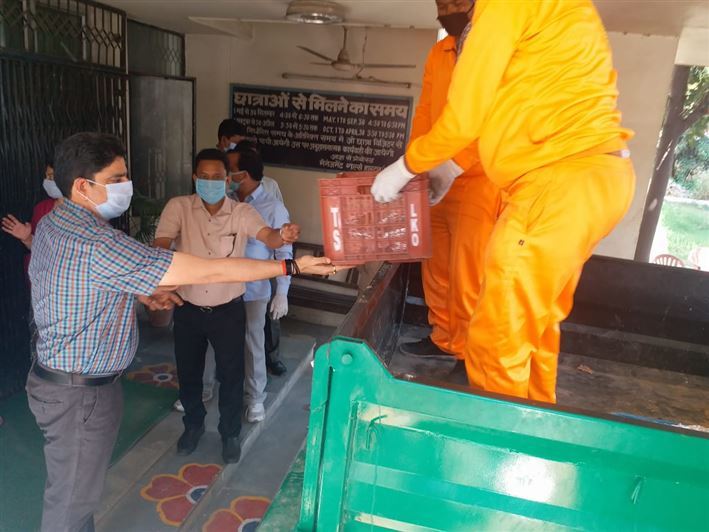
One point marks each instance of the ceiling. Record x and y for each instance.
(655, 17)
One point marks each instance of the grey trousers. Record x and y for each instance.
(255, 352)
(80, 426)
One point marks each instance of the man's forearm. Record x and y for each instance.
(273, 239)
(188, 269)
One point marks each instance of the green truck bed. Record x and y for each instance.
(395, 452)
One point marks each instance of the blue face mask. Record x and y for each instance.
(210, 191)
(118, 196)
(51, 188)
(235, 184)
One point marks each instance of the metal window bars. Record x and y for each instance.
(75, 31)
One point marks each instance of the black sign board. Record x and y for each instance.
(327, 131)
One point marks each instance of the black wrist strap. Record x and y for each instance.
(292, 267)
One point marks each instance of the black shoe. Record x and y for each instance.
(458, 374)
(277, 368)
(189, 440)
(424, 349)
(231, 450)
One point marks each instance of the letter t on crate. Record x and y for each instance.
(357, 229)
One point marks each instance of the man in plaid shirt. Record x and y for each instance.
(84, 277)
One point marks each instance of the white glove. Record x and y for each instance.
(390, 181)
(279, 306)
(440, 180)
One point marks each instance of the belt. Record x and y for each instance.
(209, 310)
(73, 379)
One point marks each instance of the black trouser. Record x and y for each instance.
(272, 330)
(273, 339)
(224, 327)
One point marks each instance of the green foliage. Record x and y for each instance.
(697, 88)
(687, 227)
(148, 211)
(691, 165)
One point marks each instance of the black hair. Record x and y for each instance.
(84, 155)
(247, 145)
(230, 127)
(250, 161)
(211, 154)
(49, 159)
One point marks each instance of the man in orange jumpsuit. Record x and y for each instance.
(535, 86)
(462, 222)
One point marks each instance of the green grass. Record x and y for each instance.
(687, 227)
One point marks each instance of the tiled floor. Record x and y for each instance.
(153, 489)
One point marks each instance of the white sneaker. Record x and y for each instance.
(207, 396)
(255, 413)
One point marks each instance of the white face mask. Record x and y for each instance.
(51, 188)
(118, 196)
(232, 146)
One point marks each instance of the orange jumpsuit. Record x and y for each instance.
(461, 223)
(535, 86)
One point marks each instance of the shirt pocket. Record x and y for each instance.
(227, 244)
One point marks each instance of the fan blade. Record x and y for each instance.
(383, 65)
(371, 81)
(317, 54)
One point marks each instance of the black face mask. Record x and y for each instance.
(455, 23)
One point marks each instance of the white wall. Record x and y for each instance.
(644, 65)
(216, 61)
(693, 48)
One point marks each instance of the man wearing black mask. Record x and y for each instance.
(454, 15)
(463, 220)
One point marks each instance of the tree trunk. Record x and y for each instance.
(672, 128)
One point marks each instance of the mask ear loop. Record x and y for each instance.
(86, 197)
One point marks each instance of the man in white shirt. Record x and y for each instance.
(272, 329)
(246, 169)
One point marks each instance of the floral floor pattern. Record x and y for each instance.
(160, 375)
(175, 495)
(243, 515)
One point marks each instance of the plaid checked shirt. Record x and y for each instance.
(84, 277)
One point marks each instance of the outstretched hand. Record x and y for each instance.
(11, 225)
(318, 265)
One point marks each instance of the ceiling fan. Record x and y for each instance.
(343, 63)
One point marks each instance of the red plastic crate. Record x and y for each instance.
(357, 229)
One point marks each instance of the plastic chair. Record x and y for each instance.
(669, 260)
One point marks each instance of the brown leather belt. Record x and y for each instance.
(72, 379)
